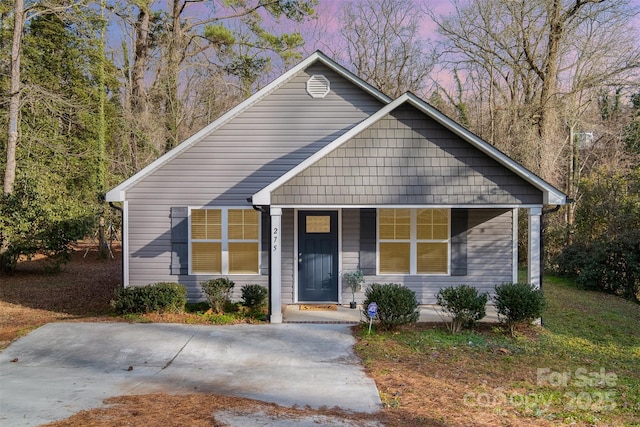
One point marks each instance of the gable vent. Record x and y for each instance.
(318, 86)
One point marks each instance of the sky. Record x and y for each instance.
(323, 33)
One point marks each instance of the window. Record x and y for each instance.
(413, 241)
(224, 241)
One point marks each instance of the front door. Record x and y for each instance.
(318, 256)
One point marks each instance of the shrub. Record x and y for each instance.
(254, 296)
(353, 280)
(463, 304)
(611, 266)
(162, 297)
(217, 291)
(518, 303)
(397, 305)
(41, 216)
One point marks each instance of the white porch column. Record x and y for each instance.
(514, 246)
(535, 254)
(275, 269)
(125, 244)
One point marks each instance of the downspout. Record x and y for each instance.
(118, 208)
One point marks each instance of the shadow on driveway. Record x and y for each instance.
(63, 368)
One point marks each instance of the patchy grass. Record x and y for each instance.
(581, 369)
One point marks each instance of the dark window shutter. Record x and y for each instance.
(459, 226)
(368, 241)
(179, 240)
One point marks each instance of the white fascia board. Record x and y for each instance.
(115, 195)
(118, 194)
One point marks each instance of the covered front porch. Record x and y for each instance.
(343, 314)
(481, 250)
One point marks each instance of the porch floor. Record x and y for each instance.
(344, 314)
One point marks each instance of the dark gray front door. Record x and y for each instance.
(318, 256)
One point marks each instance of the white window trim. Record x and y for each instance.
(224, 241)
(413, 244)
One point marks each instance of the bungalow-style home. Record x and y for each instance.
(319, 174)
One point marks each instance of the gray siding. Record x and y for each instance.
(232, 163)
(406, 158)
(350, 248)
(490, 257)
(289, 260)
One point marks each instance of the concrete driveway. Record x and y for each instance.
(63, 368)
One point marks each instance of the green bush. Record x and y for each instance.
(463, 304)
(518, 303)
(611, 266)
(217, 292)
(162, 297)
(254, 296)
(41, 217)
(397, 304)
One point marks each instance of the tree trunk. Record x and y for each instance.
(172, 108)
(14, 97)
(549, 82)
(138, 93)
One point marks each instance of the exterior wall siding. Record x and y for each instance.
(289, 258)
(350, 249)
(232, 163)
(489, 250)
(490, 258)
(406, 158)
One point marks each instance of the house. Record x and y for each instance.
(318, 174)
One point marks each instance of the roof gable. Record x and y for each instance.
(549, 193)
(406, 158)
(119, 193)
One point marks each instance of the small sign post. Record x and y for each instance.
(372, 311)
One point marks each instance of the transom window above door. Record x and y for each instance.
(413, 241)
(224, 241)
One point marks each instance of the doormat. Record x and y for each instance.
(319, 307)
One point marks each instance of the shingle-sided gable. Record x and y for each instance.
(406, 158)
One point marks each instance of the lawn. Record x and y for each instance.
(582, 368)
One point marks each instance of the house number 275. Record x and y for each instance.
(275, 239)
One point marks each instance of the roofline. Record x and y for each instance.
(551, 195)
(118, 193)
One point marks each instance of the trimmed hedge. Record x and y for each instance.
(397, 304)
(217, 292)
(463, 304)
(518, 303)
(254, 296)
(161, 297)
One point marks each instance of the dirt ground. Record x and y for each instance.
(429, 386)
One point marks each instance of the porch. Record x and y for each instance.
(293, 313)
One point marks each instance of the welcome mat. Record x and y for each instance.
(319, 307)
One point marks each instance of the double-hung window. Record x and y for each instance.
(224, 241)
(413, 241)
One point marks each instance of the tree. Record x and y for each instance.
(20, 17)
(173, 54)
(384, 45)
(536, 61)
(63, 79)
